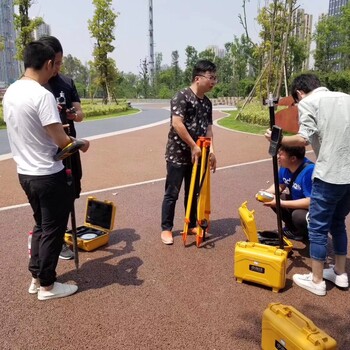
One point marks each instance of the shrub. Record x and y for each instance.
(255, 113)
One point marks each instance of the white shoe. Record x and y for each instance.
(34, 286)
(167, 237)
(59, 290)
(306, 282)
(341, 281)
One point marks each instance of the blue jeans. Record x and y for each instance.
(329, 206)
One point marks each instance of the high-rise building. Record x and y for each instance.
(9, 66)
(335, 7)
(216, 50)
(335, 10)
(43, 30)
(302, 29)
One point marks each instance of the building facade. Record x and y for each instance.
(9, 66)
(302, 29)
(335, 7)
(43, 30)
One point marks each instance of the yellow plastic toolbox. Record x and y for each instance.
(253, 235)
(285, 328)
(261, 264)
(99, 222)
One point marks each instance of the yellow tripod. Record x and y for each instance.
(202, 195)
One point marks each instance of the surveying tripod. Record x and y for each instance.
(200, 192)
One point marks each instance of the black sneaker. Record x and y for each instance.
(290, 235)
(66, 253)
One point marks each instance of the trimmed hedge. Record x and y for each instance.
(255, 113)
(91, 109)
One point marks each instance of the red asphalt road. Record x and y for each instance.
(136, 293)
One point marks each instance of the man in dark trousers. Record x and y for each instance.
(35, 133)
(191, 117)
(64, 90)
(295, 181)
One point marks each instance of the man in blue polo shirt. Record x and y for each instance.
(295, 183)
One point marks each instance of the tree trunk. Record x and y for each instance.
(285, 47)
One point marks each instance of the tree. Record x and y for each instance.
(144, 85)
(326, 35)
(127, 85)
(344, 41)
(177, 73)
(2, 43)
(24, 26)
(276, 51)
(73, 67)
(191, 59)
(101, 28)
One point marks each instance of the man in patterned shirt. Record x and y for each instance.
(190, 118)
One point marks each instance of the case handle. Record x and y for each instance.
(299, 318)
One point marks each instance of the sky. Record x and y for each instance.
(176, 24)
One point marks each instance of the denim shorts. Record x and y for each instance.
(329, 206)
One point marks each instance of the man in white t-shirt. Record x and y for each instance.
(35, 133)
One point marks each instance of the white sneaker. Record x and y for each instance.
(59, 290)
(339, 280)
(34, 286)
(305, 281)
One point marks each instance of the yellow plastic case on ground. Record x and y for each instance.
(285, 328)
(260, 263)
(253, 235)
(99, 221)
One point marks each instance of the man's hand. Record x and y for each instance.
(86, 145)
(71, 113)
(271, 204)
(268, 135)
(212, 162)
(195, 153)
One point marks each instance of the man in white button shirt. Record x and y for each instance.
(324, 118)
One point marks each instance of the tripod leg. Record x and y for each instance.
(189, 202)
(72, 214)
(74, 236)
(203, 195)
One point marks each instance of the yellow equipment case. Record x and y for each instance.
(285, 328)
(260, 263)
(99, 222)
(253, 235)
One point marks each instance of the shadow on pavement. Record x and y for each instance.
(106, 270)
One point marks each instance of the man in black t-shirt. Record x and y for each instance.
(64, 88)
(190, 118)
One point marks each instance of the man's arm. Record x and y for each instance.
(58, 135)
(289, 141)
(60, 138)
(302, 203)
(178, 125)
(212, 158)
(271, 189)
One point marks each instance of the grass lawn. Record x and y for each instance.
(231, 123)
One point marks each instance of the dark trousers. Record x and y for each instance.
(51, 200)
(295, 219)
(175, 175)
